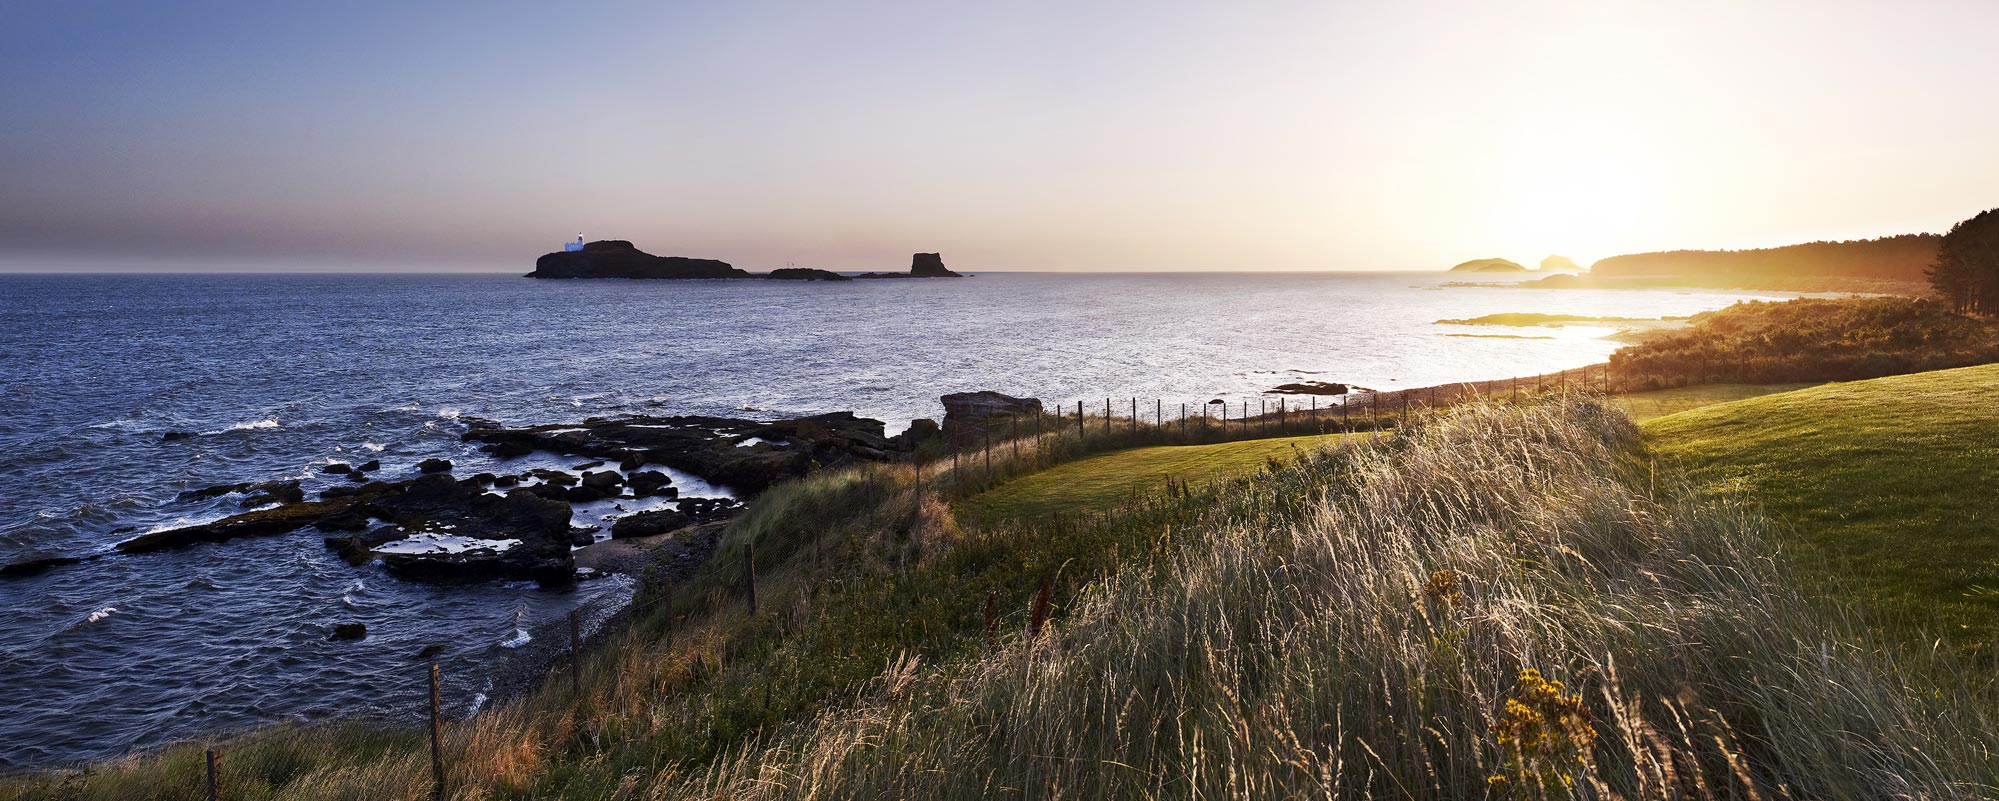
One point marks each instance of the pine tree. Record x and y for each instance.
(1966, 273)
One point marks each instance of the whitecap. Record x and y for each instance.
(373, 447)
(268, 422)
(449, 413)
(100, 614)
(520, 637)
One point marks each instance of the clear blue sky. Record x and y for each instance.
(1057, 135)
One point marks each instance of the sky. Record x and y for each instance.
(1020, 135)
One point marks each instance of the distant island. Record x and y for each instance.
(1489, 266)
(617, 258)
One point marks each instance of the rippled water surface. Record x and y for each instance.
(279, 374)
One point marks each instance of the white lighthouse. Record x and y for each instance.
(572, 247)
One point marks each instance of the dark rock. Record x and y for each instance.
(337, 468)
(929, 265)
(371, 465)
(348, 631)
(805, 274)
(269, 492)
(922, 431)
(216, 491)
(506, 450)
(358, 549)
(632, 460)
(434, 466)
(357, 477)
(583, 535)
(584, 494)
(436, 503)
(176, 436)
(1310, 388)
(430, 503)
(617, 258)
(35, 566)
(710, 447)
(429, 651)
(588, 466)
(648, 482)
(347, 520)
(485, 479)
(970, 416)
(504, 482)
(263, 522)
(603, 480)
(647, 524)
(553, 492)
(556, 477)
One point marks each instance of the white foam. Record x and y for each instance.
(373, 447)
(101, 614)
(433, 543)
(520, 637)
(268, 422)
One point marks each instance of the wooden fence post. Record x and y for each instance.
(214, 789)
(1079, 422)
(575, 655)
(1134, 415)
(436, 737)
(992, 621)
(1038, 616)
(750, 575)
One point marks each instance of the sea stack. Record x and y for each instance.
(930, 265)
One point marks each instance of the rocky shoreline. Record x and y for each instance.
(518, 524)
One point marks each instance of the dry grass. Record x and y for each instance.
(1353, 624)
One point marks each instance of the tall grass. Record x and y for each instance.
(1353, 624)
(1378, 646)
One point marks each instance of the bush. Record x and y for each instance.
(1806, 340)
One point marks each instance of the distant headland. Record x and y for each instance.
(617, 258)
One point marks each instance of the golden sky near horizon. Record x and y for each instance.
(1131, 136)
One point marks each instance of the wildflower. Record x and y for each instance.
(1545, 733)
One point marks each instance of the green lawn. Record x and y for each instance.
(1893, 481)
(1644, 406)
(1100, 482)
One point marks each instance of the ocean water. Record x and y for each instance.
(278, 374)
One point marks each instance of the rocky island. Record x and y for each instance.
(921, 265)
(617, 258)
(1489, 266)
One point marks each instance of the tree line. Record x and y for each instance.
(1905, 258)
(1966, 271)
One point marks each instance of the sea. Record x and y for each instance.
(276, 375)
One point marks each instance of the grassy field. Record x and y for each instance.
(1893, 482)
(1644, 406)
(1100, 482)
(1500, 602)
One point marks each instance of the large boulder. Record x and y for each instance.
(617, 258)
(649, 524)
(968, 416)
